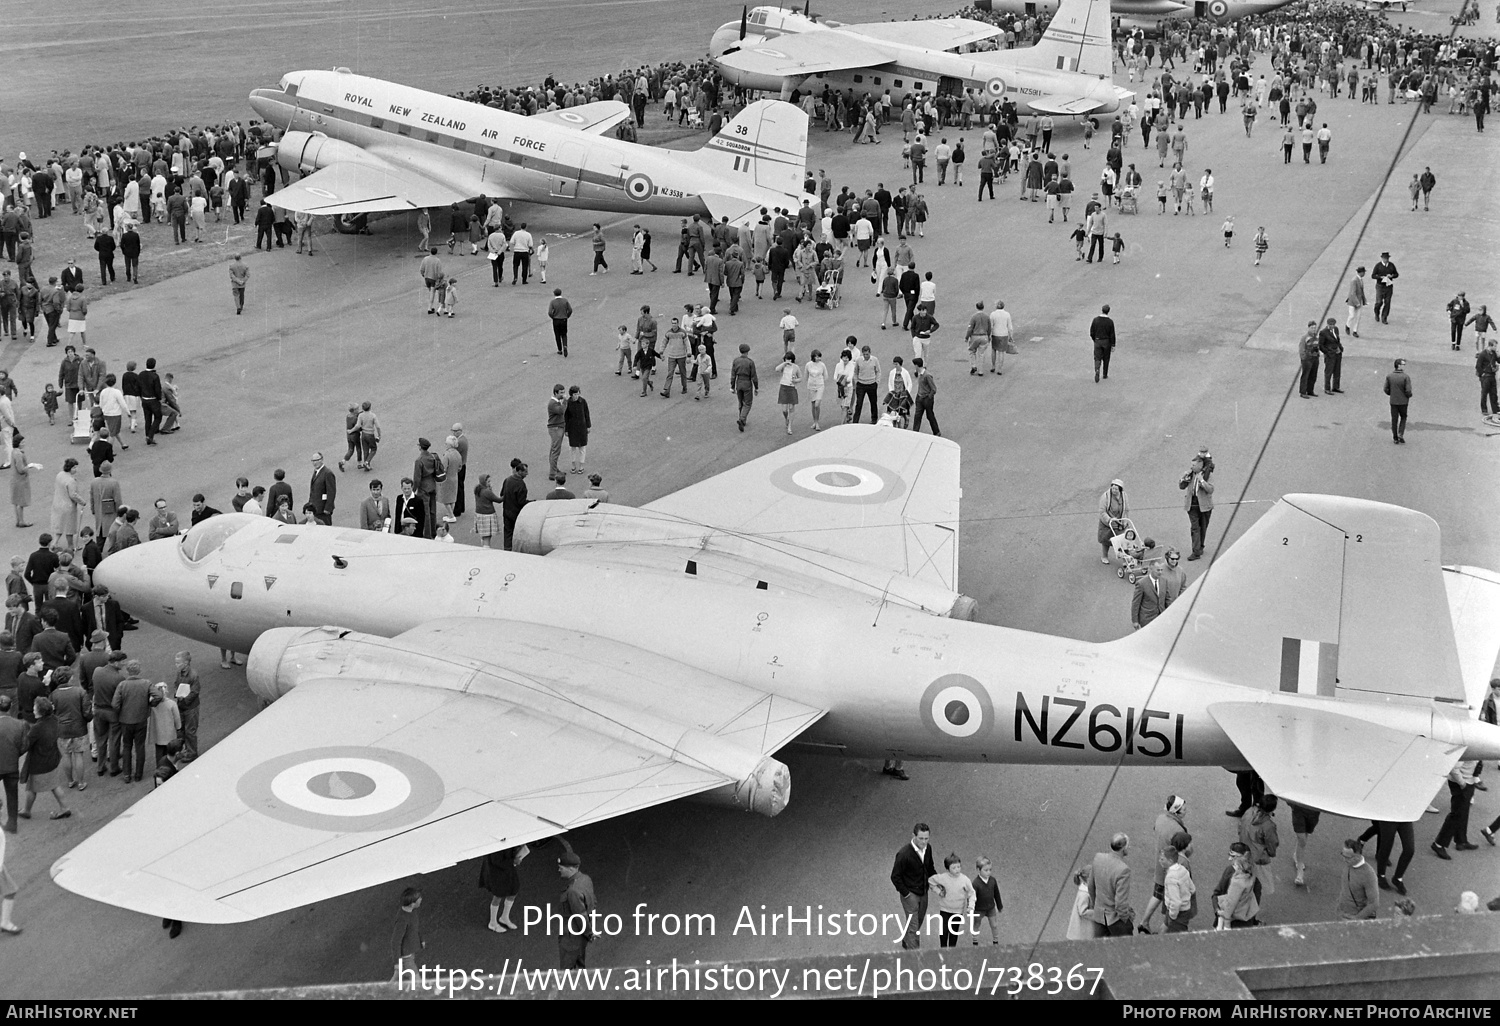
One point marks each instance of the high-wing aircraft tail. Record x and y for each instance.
(759, 157)
(1324, 595)
(1078, 39)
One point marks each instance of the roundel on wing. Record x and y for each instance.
(771, 53)
(839, 479)
(957, 706)
(639, 187)
(995, 87)
(319, 192)
(568, 115)
(343, 789)
(1218, 8)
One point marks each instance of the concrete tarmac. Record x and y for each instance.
(1196, 365)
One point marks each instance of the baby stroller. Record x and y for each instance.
(1126, 546)
(828, 294)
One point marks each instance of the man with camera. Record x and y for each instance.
(1199, 500)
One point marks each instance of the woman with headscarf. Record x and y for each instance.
(1112, 509)
(67, 500)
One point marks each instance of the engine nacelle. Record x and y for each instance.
(627, 537)
(308, 151)
(767, 790)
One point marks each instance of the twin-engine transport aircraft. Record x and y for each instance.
(1068, 72)
(1149, 12)
(367, 145)
(432, 703)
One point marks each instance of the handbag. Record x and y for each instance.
(439, 470)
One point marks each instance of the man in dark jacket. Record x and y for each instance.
(104, 245)
(322, 490)
(149, 382)
(1332, 348)
(12, 743)
(424, 476)
(133, 705)
(912, 869)
(911, 288)
(265, 220)
(239, 196)
(1102, 332)
(55, 648)
(130, 249)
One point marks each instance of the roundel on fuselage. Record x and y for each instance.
(995, 87)
(639, 187)
(957, 706)
(1218, 8)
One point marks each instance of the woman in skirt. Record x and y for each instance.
(786, 395)
(44, 761)
(576, 423)
(497, 874)
(486, 520)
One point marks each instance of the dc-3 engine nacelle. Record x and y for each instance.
(308, 151)
(624, 537)
(284, 657)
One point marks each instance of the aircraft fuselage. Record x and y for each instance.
(478, 150)
(895, 682)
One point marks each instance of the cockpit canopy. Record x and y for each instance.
(210, 535)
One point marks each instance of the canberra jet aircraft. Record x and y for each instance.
(432, 703)
(366, 145)
(1068, 72)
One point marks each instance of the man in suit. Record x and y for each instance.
(1150, 597)
(72, 276)
(69, 618)
(1102, 332)
(102, 616)
(132, 705)
(106, 722)
(375, 510)
(1332, 348)
(1385, 287)
(51, 644)
(19, 624)
(39, 566)
(909, 874)
(1398, 387)
(1109, 889)
(322, 490)
(11, 664)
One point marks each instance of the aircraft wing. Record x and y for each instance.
(882, 496)
(594, 118)
(344, 783)
(936, 34)
(807, 53)
(1069, 106)
(350, 187)
(1337, 763)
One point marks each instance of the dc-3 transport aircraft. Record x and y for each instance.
(365, 145)
(432, 703)
(1066, 73)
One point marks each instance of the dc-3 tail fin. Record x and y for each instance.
(758, 160)
(1078, 39)
(1323, 595)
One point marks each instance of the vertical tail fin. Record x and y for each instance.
(1078, 39)
(758, 159)
(1323, 595)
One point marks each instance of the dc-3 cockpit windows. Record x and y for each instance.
(211, 534)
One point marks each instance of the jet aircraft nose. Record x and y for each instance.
(137, 575)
